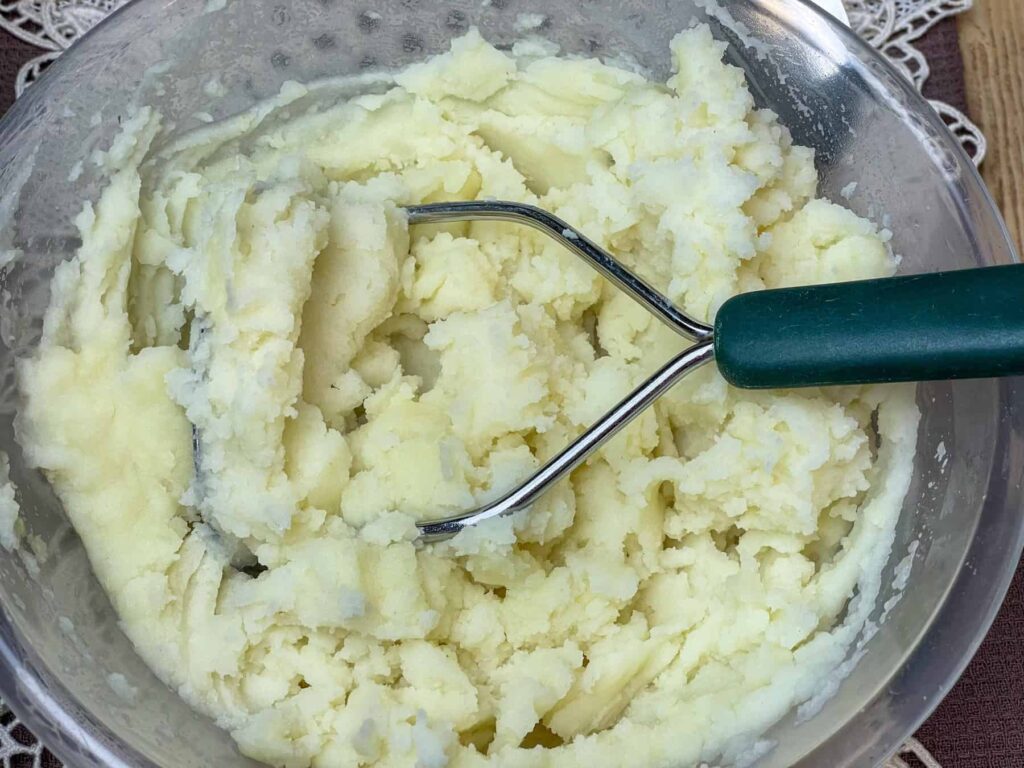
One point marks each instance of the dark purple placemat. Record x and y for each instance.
(980, 724)
(13, 54)
(941, 47)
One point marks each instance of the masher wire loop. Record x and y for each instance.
(574, 454)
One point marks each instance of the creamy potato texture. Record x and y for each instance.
(255, 377)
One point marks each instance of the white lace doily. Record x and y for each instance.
(51, 25)
(891, 26)
(18, 747)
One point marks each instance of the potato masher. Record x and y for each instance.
(946, 325)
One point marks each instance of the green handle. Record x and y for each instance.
(948, 325)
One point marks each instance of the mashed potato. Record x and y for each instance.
(255, 377)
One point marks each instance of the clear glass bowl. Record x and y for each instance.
(59, 638)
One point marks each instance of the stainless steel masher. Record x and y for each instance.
(945, 325)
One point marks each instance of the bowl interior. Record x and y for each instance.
(961, 527)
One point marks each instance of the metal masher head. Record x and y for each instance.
(529, 490)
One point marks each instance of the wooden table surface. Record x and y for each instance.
(992, 40)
